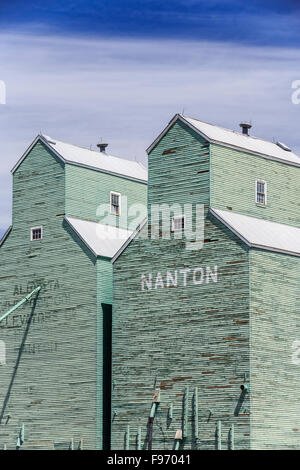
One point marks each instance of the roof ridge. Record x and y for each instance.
(47, 137)
(230, 130)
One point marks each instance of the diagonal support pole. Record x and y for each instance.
(19, 304)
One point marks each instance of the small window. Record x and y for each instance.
(36, 233)
(261, 192)
(115, 203)
(177, 222)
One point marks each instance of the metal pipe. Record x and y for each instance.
(19, 304)
(152, 411)
(151, 421)
(155, 403)
(219, 435)
(22, 433)
(171, 411)
(139, 438)
(80, 444)
(232, 437)
(178, 438)
(196, 413)
(127, 438)
(185, 412)
(245, 387)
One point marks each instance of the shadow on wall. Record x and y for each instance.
(10, 387)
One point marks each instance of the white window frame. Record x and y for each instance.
(173, 223)
(40, 227)
(256, 192)
(115, 194)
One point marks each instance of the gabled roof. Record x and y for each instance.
(132, 237)
(260, 233)
(102, 240)
(256, 233)
(100, 161)
(233, 139)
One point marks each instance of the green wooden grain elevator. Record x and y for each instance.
(201, 349)
(55, 348)
(205, 349)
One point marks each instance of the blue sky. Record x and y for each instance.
(82, 70)
(247, 22)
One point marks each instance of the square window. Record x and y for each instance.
(115, 205)
(177, 222)
(36, 233)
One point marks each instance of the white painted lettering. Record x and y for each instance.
(185, 273)
(172, 279)
(146, 281)
(209, 273)
(159, 281)
(200, 279)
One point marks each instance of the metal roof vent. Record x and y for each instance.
(102, 147)
(245, 126)
(283, 146)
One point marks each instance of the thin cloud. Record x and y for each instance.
(125, 91)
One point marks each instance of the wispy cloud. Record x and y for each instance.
(125, 91)
(264, 22)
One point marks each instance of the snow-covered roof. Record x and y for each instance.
(102, 240)
(260, 233)
(237, 140)
(100, 161)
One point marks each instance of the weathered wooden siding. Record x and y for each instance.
(179, 169)
(49, 382)
(233, 176)
(275, 378)
(87, 189)
(173, 337)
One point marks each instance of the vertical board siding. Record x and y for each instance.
(193, 335)
(233, 179)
